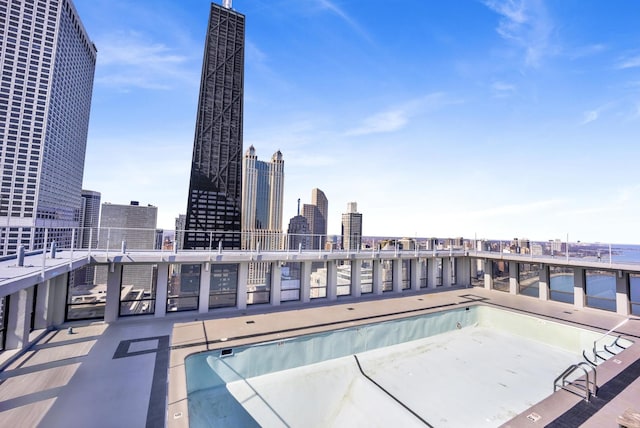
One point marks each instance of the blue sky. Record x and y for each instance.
(488, 118)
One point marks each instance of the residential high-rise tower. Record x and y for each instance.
(215, 188)
(47, 63)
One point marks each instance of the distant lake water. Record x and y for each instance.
(600, 290)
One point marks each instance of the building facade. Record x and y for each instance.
(179, 235)
(214, 200)
(352, 228)
(262, 201)
(48, 64)
(129, 227)
(87, 236)
(316, 215)
(89, 219)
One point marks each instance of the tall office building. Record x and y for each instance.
(135, 225)
(179, 236)
(89, 219)
(316, 215)
(48, 64)
(87, 233)
(352, 228)
(214, 201)
(262, 201)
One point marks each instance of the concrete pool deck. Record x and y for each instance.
(116, 375)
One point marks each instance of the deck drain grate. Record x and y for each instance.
(534, 417)
(251, 322)
(349, 309)
(177, 415)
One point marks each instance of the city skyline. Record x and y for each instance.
(523, 124)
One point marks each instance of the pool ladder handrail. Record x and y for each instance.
(590, 388)
(607, 348)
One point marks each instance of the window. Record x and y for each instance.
(529, 279)
(138, 289)
(345, 278)
(183, 287)
(318, 280)
(561, 283)
(601, 289)
(290, 274)
(223, 285)
(86, 293)
(387, 275)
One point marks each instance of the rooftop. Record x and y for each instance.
(116, 374)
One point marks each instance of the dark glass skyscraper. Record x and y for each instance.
(215, 188)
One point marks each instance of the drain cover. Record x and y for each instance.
(534, 417)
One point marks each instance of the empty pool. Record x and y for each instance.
(476, 366)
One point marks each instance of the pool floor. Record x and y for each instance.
(474, 376)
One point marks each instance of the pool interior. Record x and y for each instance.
(492, 363)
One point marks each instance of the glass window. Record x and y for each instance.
(405, 265)
(259, 283)
(453, 265)
(183, 288)
(634, 286)
(529, 279)
(86, 293)
(438, 262)
(290, 274)
(223, 285)
(318, 280)
(501, 275)
(387, 275)
(561, 283)
(138, 289)
(366, 277)
(344, 278)
(477, 273)
(424, 272)
(4, 321)
(601, 289)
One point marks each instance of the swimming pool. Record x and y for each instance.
(475, 366)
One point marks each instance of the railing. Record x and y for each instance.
(589, 388)
(596, 355)
(112, 238)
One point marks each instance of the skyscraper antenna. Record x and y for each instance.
(226, 3)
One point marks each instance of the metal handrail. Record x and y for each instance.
(588, 386)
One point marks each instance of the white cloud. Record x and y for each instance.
(386, 121)
(593, 115)
(629, 62)
(398, 117)
(503, 89)
(526, 24)
(129, 59)
(326, 4)
(586, 51)
(590, 116)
